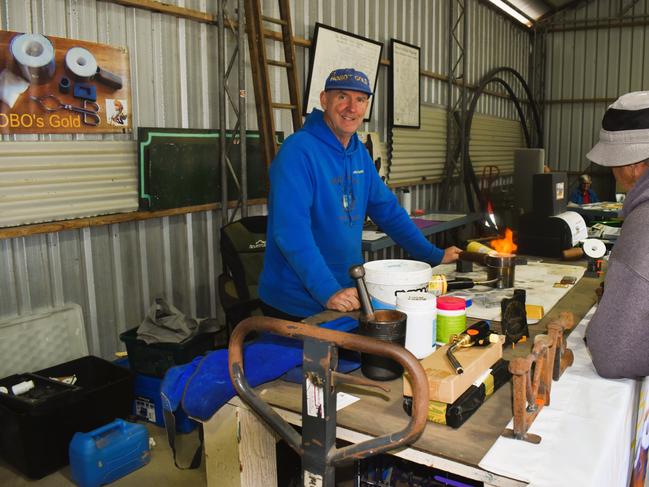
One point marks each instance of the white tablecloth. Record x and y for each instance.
(586, 431)
(537, 278)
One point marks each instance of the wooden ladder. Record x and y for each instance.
(259, 63)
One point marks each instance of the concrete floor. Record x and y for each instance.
(159, 472)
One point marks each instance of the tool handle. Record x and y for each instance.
(456, 284)
(348, 341)
(357, 272)
(109, 79)
(118, 424)
(479, 333)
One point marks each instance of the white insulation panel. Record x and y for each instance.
(48, 181)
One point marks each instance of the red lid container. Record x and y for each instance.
(450, 303)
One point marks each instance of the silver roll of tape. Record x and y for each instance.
(80, 62)
(34, 56)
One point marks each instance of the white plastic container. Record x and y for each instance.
(386, 279)
(421, 330)
(406, 201)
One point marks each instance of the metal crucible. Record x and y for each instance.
(499, 266)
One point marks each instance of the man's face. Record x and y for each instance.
(585, 185)
(344, 111)
(625, 175)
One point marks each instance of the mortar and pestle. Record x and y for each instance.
(387, 325)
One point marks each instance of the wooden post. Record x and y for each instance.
(239, 449)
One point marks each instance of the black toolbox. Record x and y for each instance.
(36, 428)
(154, 359)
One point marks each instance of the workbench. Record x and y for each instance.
(240, 449)
(439, 222)
(604, 210)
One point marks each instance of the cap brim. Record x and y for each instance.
(349, 88)
(614, 155)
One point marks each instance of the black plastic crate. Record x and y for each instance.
(34, 435)
(105, 389)
(35, 430)
(42, 394)
(154, 359)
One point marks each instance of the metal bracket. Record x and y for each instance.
(532, 388)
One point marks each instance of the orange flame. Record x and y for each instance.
(505, 245)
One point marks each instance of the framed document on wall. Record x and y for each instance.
(404, 94)
(334, 49)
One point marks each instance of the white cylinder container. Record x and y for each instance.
(421, 329)
(406, 201)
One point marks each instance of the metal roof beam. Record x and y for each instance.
(547, 18)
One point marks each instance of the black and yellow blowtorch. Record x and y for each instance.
(476, 335)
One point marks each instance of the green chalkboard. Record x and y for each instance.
(182, 167)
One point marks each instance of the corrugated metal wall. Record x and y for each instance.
(586, 70)
(45, 181)
(419, 154)
(493, 142)
(114, 271)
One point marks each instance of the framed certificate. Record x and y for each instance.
(335, 49)
(404, 93)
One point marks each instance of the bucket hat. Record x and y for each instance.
(624, 136)
(348, 79)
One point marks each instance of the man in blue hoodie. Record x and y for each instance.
(322, 185)
(617, 333)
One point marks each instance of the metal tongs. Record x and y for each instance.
(89, 111)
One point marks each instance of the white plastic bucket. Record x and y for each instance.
(385, 279)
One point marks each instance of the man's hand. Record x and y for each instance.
(451, 254)
(344, 300)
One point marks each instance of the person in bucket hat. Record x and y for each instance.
(323, 183)
(617, 333)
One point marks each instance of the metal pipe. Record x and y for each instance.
(454, 362)
(348, 341)
(221, 106)
(243, 122)
(576, 22)
(464, 136)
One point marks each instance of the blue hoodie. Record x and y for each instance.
(319, 195)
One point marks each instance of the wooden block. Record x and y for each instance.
(444, 384)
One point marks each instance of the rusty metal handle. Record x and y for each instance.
(348, 341)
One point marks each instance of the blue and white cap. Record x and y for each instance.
(348, 79)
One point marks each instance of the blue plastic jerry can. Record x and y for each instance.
(108, 453)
